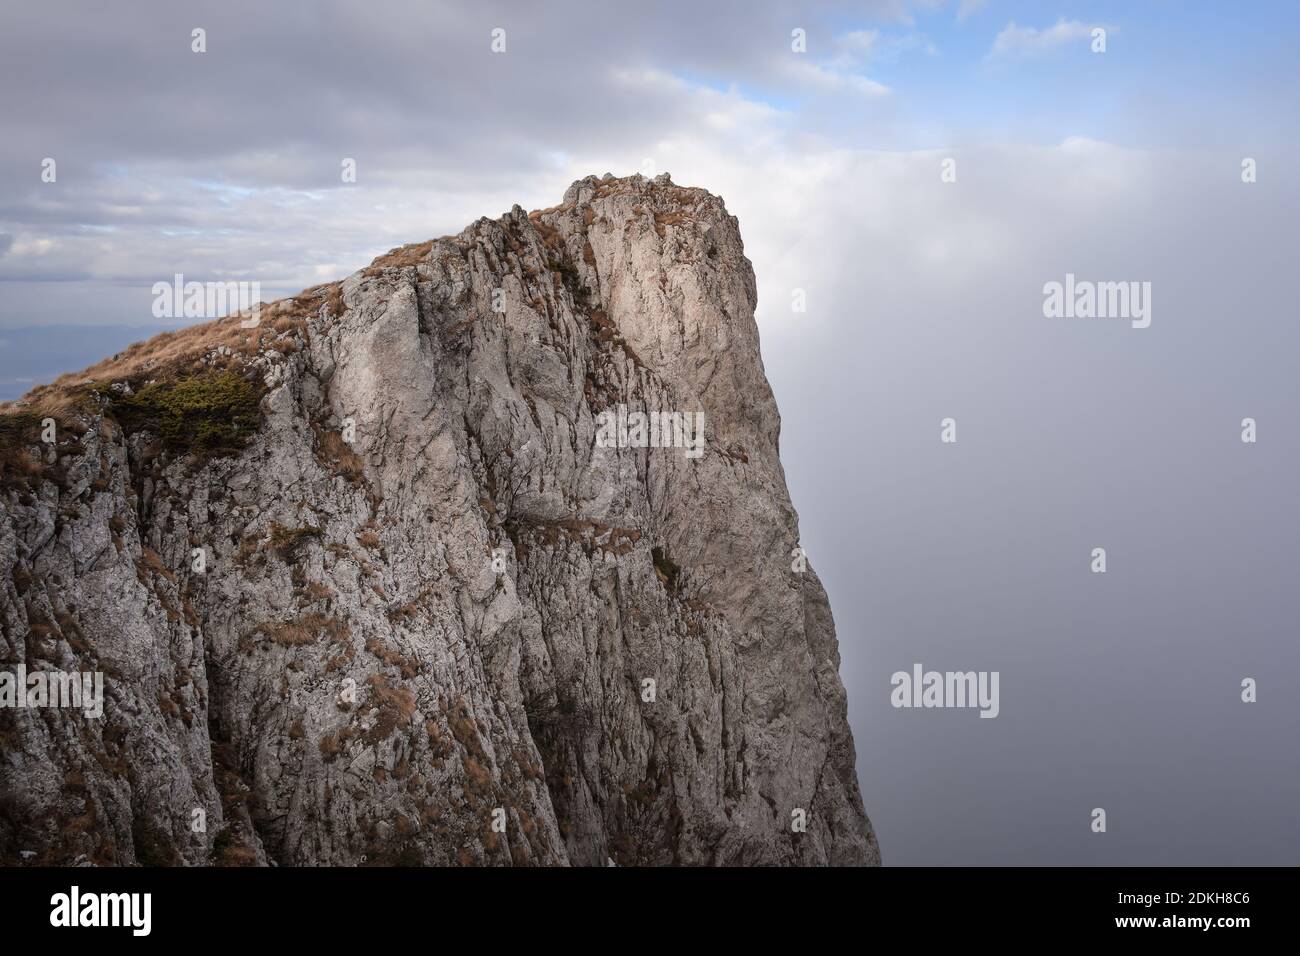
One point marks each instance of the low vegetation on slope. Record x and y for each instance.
(211, 413)
(222, 345)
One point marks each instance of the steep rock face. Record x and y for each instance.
(433, 601)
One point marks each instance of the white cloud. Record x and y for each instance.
(32, 246)
(1030, 41)
(854, 50)
(828, 79)
(859, 43)
(843, 71)
(969, 8)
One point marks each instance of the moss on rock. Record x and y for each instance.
(209, 414)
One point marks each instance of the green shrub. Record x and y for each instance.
(209, 414)
(20, 467)
(18, 427)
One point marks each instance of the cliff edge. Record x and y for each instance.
(482, 555)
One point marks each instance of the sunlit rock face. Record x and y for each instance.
(506, 573)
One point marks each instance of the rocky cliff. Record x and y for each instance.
(400, 575)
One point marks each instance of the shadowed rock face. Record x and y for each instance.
(463, 606)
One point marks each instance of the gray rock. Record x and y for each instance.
(435, 645)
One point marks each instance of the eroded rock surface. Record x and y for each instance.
(412, 435)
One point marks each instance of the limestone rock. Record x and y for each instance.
(438, 621)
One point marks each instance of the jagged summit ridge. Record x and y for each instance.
(440, 620)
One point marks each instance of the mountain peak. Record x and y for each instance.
(481, 555)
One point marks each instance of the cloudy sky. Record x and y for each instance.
(924, 301)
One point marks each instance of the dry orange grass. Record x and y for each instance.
(151, 560)
(409, 667)
(395, 705)
(172, 354)
(307, 629)
(337, 455)
(409, 255)
(672, 218)
(330, 746)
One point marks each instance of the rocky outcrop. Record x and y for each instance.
(434, 605)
